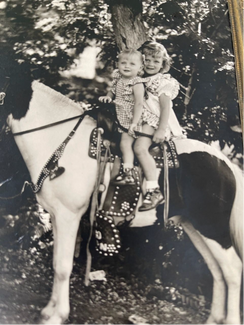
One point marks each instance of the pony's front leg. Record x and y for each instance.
(48, 311)
(217, 312)
(67, 224)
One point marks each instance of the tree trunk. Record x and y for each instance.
(129, 29)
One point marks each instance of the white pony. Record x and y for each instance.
(67, 197)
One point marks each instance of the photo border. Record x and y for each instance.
(236, 22)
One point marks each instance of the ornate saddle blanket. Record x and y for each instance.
(121, 201)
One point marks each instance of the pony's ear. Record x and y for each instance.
(19, 92)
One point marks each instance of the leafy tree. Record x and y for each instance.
(51, 34)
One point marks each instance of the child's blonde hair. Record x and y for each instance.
(128, 52)
(154, 49)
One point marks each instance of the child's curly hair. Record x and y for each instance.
(154, 49)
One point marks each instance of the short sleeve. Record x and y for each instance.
(133, 82)
(138, 80)
(116, 76)
(168, 86)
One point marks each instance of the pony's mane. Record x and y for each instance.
(36, 85)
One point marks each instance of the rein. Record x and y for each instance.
(47, 125)
(141, 134)
(101, 165)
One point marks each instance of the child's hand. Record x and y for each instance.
(105, 99)
(131, 130)
(159, 136)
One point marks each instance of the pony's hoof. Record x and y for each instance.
(212, 320)
(48, 311)
(53, 320)
(231, 321)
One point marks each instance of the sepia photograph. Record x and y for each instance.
(121, 162)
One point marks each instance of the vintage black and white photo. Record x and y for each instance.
(121, 162)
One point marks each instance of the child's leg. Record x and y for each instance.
(127, 177)
(146, 161)
(126, 149)
(153, 196)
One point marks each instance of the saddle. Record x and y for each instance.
(120, 201)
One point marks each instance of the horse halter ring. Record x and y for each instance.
(4, 89)
(2, 96)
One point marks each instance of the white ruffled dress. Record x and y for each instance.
(156, 86)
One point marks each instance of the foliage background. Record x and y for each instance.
(50, 35)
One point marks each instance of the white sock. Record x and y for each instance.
(127, 166)
(151, 185)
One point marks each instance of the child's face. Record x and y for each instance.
(153, 63)
(129, 66)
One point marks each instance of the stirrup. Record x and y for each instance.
(152, 200)
(126, 178)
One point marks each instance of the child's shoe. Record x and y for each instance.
(152, 200)
(126, 178)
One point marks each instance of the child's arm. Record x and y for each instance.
(138, 91)
(108, 98)
(159, 134)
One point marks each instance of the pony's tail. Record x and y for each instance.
(236, 218)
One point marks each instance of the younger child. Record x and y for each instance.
(128, 92)
(159, 119)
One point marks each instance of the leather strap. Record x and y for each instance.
(47, 125)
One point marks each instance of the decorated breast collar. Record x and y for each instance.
(51, 167)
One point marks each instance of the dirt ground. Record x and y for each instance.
(26, 281)
(157, 277)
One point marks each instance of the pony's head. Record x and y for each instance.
(15, 95)
(15, 87)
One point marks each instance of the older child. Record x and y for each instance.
(159, 119)
(128, 92)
